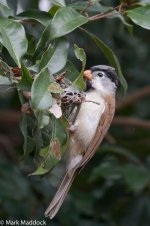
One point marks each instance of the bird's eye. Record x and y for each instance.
(101, 74)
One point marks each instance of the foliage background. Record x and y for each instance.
(114, 189)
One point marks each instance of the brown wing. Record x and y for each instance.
(101, 131)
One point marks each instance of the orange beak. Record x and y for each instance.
(88, 74)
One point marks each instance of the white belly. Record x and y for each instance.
(88, 117)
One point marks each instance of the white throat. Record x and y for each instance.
(104, 85)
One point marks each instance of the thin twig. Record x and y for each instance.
(120, 9)
(105, 14)
(86, 8)
(100, 16)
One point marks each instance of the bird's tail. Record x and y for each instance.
(59, 196)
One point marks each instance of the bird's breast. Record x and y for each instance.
(88, 117)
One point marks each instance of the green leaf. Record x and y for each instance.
(47, 56)
(58, 2)
(26, 80)
(80, 54)
(52, 153)
(5, 70)
(123, 19)
(12, 36)
(4, 80)
(6, 76)
(49, 162)
(55, 88)
(113, 60)
(144, 2)
(43, 119)
(107, 170)
(45, 36)
(41, 99)
(40, 170)
(40, 16)
(5, 11)
(71, 71)
(136, 176)
(53, 10)
(37, 135)
(55, 56)
(26, 125)
(94, 8)
(66, 20)
(58, 142)
(31, 44)
(44, 152)
(60, 132)
(140, 16)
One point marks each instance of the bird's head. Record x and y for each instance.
(102, 78)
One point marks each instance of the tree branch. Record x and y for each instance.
(133, 97)
(135, 122)
(102, 15)
(11, 117)
(120, 9)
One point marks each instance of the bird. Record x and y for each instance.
(91, 124)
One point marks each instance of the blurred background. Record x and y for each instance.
(114, 188)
